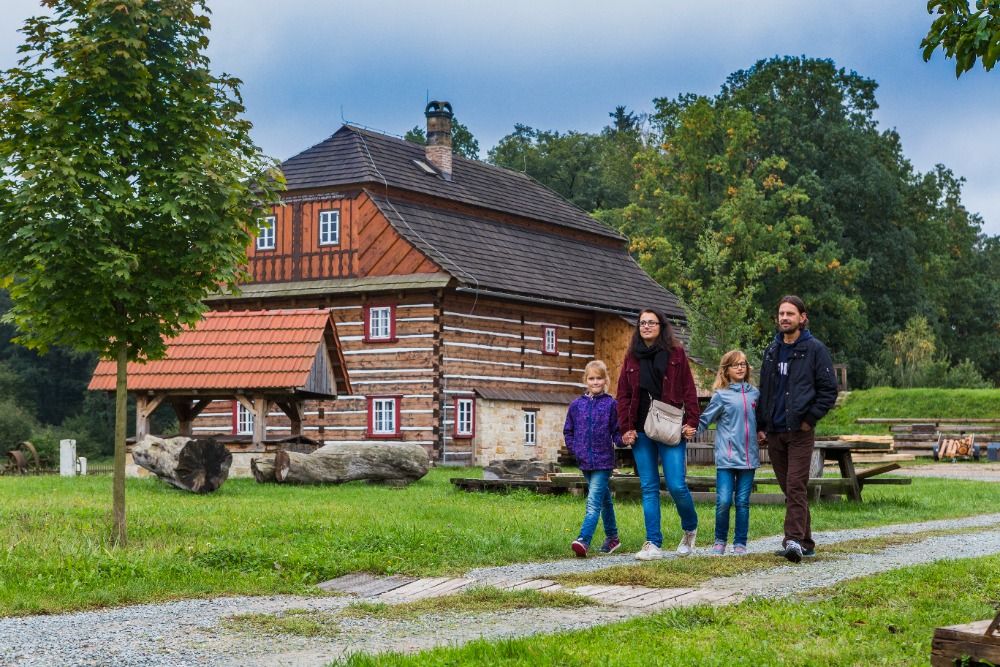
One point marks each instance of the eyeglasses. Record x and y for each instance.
(741, 364)
(649, 323)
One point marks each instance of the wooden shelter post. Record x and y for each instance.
(144, 408)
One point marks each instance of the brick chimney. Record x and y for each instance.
(438, 148)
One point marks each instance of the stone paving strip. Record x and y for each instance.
(190, 632)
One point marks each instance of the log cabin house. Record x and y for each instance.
(467, 298)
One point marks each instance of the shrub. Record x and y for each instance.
(15, 425)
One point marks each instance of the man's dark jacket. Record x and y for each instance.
(811, 387)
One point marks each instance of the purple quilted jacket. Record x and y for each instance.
(591, 431)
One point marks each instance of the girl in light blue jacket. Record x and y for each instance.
(736, 454)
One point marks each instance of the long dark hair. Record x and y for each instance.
(666, 339)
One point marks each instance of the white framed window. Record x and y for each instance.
(329, 227)
(383, 416)
(530, 427)
(265, 233)
(550, 344)
(380, 323)
(465, 411)
(244, 420)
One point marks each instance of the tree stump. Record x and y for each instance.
(394, 464)
(200, 466)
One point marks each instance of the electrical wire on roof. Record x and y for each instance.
(402, 219)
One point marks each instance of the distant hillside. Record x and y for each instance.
(913, 403)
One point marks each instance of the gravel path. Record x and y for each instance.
(188, 632)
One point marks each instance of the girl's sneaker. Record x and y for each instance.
(687, 543)
(649, 551)
(719, 548)
(610, 545)
(740, 549)
(579, 547)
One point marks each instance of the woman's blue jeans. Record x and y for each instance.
(732, 483)
(598, 504)
(648, 454)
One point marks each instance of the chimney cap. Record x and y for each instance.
(437, 108)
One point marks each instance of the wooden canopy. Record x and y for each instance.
(258, 358)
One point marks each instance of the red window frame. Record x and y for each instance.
(397, 400)
(472, 418)
(555, 341)
(392, 323)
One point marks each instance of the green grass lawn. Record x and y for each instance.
(250, 538)
(907, 403)
(883, 620)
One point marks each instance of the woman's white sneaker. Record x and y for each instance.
(687, 543)
(649, 551)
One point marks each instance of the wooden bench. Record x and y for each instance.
(974, 644)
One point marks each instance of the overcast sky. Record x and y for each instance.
(563, 65)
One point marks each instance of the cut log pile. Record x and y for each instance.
(397, 464)
(200, 466)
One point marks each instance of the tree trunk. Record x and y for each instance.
(119, 534)
(200, 466)
(395, 464)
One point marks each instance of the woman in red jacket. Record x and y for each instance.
(657, 367)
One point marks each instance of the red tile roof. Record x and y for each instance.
(264, 349)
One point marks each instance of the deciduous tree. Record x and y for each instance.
(129, 184)
(963, 34)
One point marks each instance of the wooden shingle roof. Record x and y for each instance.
(242, 350)
(486, 254)
(353, 156)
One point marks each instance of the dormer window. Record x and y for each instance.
(329, 227)
(265, 233)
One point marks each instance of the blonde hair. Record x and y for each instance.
(598, 365)
(728, 359)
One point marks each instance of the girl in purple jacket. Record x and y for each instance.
(591, 433)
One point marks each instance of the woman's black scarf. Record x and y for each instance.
(653, 362)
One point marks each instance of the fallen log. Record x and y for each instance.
(262, 469)
(200, 466)
(392, 464)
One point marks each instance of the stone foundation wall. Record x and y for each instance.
(500, 431)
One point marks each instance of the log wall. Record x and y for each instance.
(494, 344)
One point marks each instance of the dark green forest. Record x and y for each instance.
(783, 182)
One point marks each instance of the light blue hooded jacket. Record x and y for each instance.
(732, 408)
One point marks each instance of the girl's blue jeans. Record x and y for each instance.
(730, 484)
(598, 505)
(648, 454)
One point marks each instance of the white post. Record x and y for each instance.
(67, 458)
(81, 466)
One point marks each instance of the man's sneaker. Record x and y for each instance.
(793, 551)
(718, 548)
(806, 553)
(610, 545)
(649, 551)
(687, 543)
(740, 549)
(579, 547)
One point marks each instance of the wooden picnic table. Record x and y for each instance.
(851, 482)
